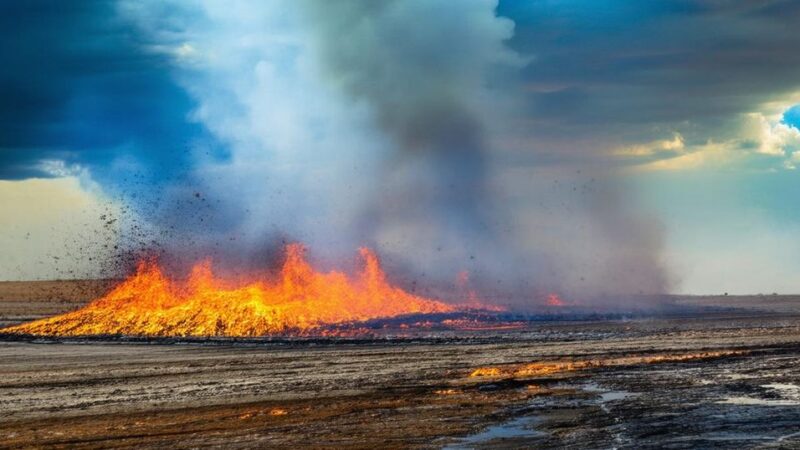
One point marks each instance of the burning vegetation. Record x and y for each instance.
(545, 368)
(300, 301)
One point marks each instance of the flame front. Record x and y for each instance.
(300, 301)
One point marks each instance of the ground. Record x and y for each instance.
(741, 388)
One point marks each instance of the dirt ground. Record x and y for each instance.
(21, 301)
(414, 393)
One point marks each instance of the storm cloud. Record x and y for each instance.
(618, 73)
(494, 138)
(80, 89)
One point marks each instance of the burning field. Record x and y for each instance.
(301, 301)
(329, 360)
(399, 224)
(298, 357)
(720, 377)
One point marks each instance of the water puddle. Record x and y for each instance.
(520, 427)
(610, 396)
(750, 401)
(789, 393)
(606, 396)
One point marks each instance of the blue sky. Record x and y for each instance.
(661, 135)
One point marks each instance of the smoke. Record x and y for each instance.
(426, 83)
(387, 124)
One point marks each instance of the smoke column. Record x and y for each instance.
(385, 123)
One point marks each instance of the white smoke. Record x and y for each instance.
(361, 122)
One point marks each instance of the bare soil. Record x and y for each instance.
(21, 301)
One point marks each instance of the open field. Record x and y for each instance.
(724, 379)
(21, 301)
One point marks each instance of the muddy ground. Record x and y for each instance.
(412, 393)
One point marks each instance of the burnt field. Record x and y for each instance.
(722, 375)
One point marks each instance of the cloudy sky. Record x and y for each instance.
(582, 146)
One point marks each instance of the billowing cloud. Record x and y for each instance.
(381, 124)
(627, 74)
(79, 87)
(496, 138)
(759, 141)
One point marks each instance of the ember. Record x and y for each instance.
(554, 300)
(300, 301)
(544, 368)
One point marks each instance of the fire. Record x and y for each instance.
(462, 284)
(446, 392)
(463, 287)
(300, 301)
(545, 368)
(554, 300)
(271, 412)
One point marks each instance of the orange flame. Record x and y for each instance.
(301, 301)
(544, 368)
(463, 287)
(554, 300)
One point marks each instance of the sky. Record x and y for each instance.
(588, 147)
